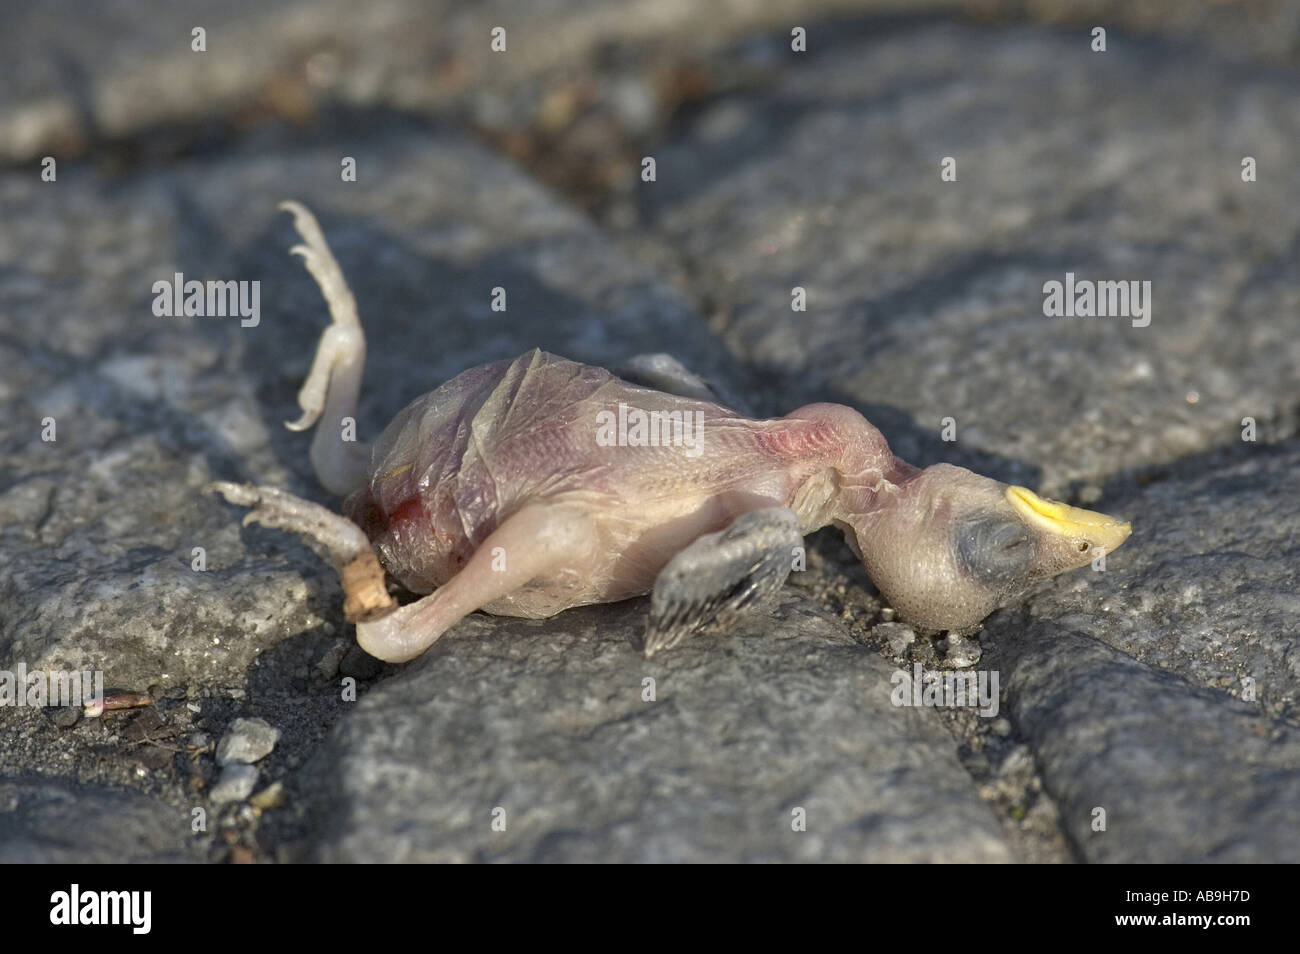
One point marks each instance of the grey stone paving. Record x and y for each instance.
(1160, 691)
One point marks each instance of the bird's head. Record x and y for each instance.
(946, 546)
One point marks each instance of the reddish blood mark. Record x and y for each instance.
(409, 510)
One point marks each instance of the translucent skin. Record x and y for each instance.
(460, 460)
(529, 486)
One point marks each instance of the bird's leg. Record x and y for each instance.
(541, 541)
(663, 372)
(365, 595)
(722, 573)
(330, 392)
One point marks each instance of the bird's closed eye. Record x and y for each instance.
(994, 548)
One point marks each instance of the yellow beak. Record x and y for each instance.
(1060, 519)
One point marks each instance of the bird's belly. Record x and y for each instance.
(637, 541)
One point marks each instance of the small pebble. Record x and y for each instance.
(359, 664)
(897, 635)
(328, 665)
(236, 784)
(65, 717)
(963, 652)
(270, 797)
(247, 741)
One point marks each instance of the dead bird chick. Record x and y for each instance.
(528, 486)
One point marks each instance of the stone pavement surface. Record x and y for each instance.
(1146, 713)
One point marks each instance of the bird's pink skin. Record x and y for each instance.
(524, 488)
(461, 461)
